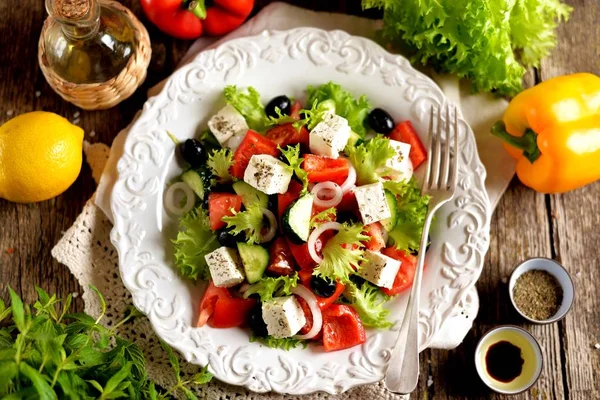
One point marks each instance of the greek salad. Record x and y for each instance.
(303, 219)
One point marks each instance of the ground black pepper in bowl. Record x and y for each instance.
(538, 294)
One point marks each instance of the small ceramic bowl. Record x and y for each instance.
(556, 270)
(530, 352)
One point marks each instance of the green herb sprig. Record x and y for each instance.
(48, 353)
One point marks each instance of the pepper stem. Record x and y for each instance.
(527, 142)
(198, 8)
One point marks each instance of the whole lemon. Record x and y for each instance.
(40, 156)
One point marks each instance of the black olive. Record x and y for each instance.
(358, 280)
(256, 322)
(347, 216)
(193, 152)
(322, 287)
(282, 102)
(381, 121)
(226, 238)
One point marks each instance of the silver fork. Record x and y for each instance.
(402, 373)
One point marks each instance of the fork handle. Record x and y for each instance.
(402, 374)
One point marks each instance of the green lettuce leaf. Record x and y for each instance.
(219, 162)
(342, 253)
(284, 343)
(368, 302)
(248, 104)
(344, 104)
(488, 41)
(412, 210)
(369, 159)
(249, 222)
(269, 287)
(292, 155)
(194, 240)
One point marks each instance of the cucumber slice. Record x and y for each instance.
(250, 195)
(295, 221)
(389, 223)
(255, 259)
(354, 140)
(194, 180)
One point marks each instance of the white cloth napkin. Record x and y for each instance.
(479, 110)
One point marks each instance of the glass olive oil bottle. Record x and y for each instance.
(90, 41)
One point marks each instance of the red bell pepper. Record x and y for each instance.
(186, 19)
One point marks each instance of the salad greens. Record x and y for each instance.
(292, 156)
(342, 253)
(194, 240)
(412, 209)
(269, 287)
(249, 222)
(48, 353)
(219, 162)
(278, 343)
(340, 101)
(369, 159)
(368, 302)
(249, 105)
(490, 42)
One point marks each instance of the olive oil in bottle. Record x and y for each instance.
(94, 53)
(90, 42)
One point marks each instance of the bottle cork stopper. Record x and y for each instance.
(72, 9)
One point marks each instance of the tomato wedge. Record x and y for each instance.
(321, 169)
(208, 302)
(284, 200)
(404, 132)
(406, 273)
(305, 276)
(252, 144)
(376, 241)
(220, 205)
(286, 134)
(295, 110)
(342, 328)
(230, 312)
(281, 259)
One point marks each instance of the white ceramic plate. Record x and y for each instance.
(277, 63)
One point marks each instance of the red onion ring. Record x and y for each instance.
(311, 300)
(320, 188)
(170, 198)
(272, 226)
(350, 180)
(312, 239)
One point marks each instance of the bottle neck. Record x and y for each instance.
(79, 19)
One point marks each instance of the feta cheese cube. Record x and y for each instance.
(400, 167)
(379, 269)
(227, 123)
(371, 202)
(283, 316)
(268, 174)
(330, 136)
(225, 265)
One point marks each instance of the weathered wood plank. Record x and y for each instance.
(576, 217)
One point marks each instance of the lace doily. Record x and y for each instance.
(88, 253)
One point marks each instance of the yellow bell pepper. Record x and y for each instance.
(553, 131)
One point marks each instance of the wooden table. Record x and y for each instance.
(525, 224)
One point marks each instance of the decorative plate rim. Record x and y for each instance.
(137, 193)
